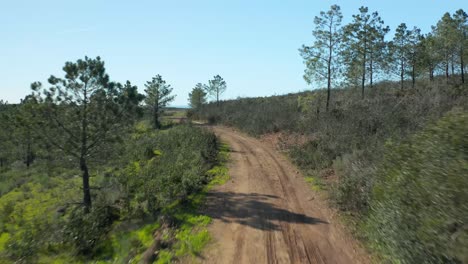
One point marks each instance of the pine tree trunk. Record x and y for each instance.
(431, 73)
(84, 145)
(447, 75)
(371, 72)
(452, 64)
(413, 76)
(462, 66)
(29, 155)
(156, 123)
(48, 148)
(363, 81)
(329, 77)
(402, 72)
(155, 119)
(86, 189)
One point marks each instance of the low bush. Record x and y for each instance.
(29, 220)
(254, 115)
(419, 206)
(165, 166)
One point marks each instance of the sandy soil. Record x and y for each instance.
(267, 213)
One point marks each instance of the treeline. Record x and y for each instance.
(360, 53)
(89, 169)
(392, 159)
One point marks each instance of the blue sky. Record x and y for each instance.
(253, 45)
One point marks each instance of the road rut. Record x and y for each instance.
(267, 213)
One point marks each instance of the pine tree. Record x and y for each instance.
(83, 113)
(321, 59)
(216, 87)
(400, 50)
(414, 52)
(364, 42)
(405, 49)
(428, 58)
(461, 39)
(197, 97)
(445, 39)
(158, 95)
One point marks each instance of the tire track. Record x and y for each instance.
(262, 215)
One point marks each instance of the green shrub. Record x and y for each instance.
(312, 156)
(165, 166)
(355, 179)
(85, 231)
(419, 208)
(29, 223)
(255, 115)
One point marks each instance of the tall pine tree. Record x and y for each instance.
(322, 58)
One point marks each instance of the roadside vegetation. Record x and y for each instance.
(389, 142)
(90, 174)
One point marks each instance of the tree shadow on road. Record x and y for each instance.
(252, 209)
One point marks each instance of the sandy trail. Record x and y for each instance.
(267, 213)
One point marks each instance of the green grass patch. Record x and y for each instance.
(180, 113)
(3, 240)
(164, 257)
(191, 243)
(221, 177)
(314, 182)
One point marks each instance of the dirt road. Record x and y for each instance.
(267, 213)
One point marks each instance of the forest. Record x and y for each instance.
(385, 137)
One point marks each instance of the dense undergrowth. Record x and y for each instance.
(386, 160)
(420, 194)
(153, 184)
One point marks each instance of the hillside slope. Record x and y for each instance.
(347, 151)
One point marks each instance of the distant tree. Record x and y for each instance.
(197, 97)
(461, 26)
(321, 59)
(216, 87)
(158, 95)
(414, 52)
(378, 52)
(131, 98)
(405, 48)
(400, 49)
(5, 135)
(364, 41)
(445, 33)
(17, 136)
(83, 113)
(428, 58)
(24, 120)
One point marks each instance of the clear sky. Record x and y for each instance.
(252, 44)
